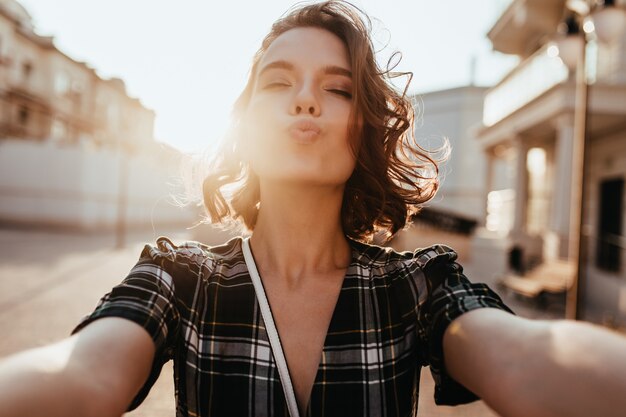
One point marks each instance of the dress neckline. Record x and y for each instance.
(350, 271)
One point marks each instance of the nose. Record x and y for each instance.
(305, 101)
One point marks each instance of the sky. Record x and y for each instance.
(188, 59)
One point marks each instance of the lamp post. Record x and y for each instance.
(122, 197)
(604, 21)
(126, 151)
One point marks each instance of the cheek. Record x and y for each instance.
(258, 136)
(254, 118)
(342, 157)
(353, 145)
(257, 128)
(344, 132)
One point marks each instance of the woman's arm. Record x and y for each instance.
(524, 367)
(96, 372)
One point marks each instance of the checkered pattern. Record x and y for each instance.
(199, 305)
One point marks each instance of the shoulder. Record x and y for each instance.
(180, 269)
(389, 259)
(192, 255)
(433, 255)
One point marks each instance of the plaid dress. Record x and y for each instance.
(199, 306)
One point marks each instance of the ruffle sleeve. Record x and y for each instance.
(448, 295)
(151, 296)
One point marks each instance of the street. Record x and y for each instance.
(50, 280)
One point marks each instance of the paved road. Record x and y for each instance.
(49, 280)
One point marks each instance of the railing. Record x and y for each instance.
(531, 78)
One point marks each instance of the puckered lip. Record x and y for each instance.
(305, 126)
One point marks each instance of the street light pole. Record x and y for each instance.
(577, 241)
(122, 197)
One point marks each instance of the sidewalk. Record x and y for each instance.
(49, 281)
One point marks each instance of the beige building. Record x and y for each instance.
(46, 95)
(451, 115)
(75, 150)
(528, 123)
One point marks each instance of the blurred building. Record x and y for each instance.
(46, 95)
(75, 150)
(528, 125)
(452, 115)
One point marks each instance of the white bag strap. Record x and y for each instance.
(272, 333)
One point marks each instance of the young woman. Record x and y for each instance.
(304, 317)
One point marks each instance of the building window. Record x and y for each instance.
(75, 94)
(23, 116)
(62, 83)
(27, 70)
(610, 220)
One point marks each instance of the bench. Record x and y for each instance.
(550, 278)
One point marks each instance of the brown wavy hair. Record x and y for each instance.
(393, 174)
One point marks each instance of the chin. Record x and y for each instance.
(304, 178)
(305, 172)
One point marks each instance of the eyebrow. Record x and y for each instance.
(329, 69)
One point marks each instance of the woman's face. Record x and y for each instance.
(296, 123)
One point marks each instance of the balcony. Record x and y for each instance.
(534, 76)
(524, 24)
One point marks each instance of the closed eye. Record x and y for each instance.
(277, 84)
(342, 93)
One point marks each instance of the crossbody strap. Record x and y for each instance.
(272, 333)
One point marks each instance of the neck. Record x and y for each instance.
(298, 233)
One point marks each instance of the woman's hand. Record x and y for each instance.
(96, 372)
(522, 367)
